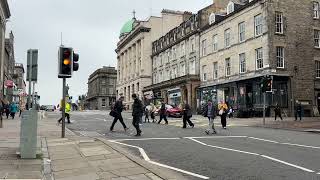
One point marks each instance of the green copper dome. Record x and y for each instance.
(127, 27)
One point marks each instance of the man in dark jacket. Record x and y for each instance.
(163, 113)
(137, 112)
(210, 111)
(118, 108)
(298, 112)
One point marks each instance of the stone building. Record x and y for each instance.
(102, 88)
(134, 51)
(250, 39)
(175, 65)
(8, 68)
(4, 16)
(19, 93)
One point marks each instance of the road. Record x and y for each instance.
(237, 153)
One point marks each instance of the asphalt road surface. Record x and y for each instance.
(238, 153)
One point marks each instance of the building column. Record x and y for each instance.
(2, 50)
(142, 56)
(189, 94)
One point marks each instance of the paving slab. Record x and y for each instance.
(91, 176)
(73, 172)
(106, 175)
(118, 166)
(138, 177)
(129, 171)
(94, 151)
(60, 165)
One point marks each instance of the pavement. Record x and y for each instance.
(243, 151)
(74, 157)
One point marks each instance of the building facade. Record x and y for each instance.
(102, 88)
(8, 69)
(134, 51)
(19, 93)
(249, 40)
(4, 16)
(175, 65)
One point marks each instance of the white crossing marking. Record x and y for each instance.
(146, 139)
(318, 173)
(255, 154)
(215, 137)
(289, 164)
(289, 144)
(146, 158)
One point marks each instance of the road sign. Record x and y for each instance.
(32, 64)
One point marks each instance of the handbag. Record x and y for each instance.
(221, 112)
(113, 113)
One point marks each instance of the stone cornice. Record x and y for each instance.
(133, 34)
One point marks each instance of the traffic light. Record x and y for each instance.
(65, 62)
(75, 61)
(268, 84)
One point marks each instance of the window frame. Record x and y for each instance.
(204, 47)
(317, 69)
(227, 38)
(242, 31)
(280, 57)
(215, 43)
(316, 10)
(316, 38)
(258, 25)
(227, 67)
(242, 63)
(204, 73)
(215, 70)
(259, 60)
(279, 24)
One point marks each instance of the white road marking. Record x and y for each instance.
(289, 144)
(255, 154)
(146, 139)
(318, 173)
(215, 137)
(286, 163)
(266, 140)
(146, 158)
(100, 119)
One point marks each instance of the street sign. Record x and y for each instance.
(32, 60)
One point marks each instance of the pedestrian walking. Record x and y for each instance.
(67, 113)
(223, 112)
(137, 112)
(163, 112)
(277, 112)
(187, 114)
(13, 109)
(7, 109)
(146, 115)
(230, 112)
(117, 110)
(210, 111)
(298, 111)
(152, 114)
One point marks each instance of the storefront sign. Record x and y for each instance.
(174, 95)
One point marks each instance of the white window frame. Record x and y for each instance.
(212, 18)
(317, 38)
(317, 66)
(215, 70)
(258, 25)
(242, 61)
(215, 43)
(227, 38)
(192, 68)
(183, 49)
(280, 56)
(242, 31)
(204, 73)
(279, 22)
(227, 67)
(182, 69)
(230, 7)
(192, 49)
(259, 58)
(204, 47)
(316, 10)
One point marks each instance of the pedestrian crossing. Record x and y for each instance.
(203, 123)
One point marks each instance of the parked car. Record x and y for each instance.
(172, 111)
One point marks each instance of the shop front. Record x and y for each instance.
(174, 96)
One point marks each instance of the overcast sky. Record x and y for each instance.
(91, 27)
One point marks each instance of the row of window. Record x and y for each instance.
(176, 71)
(174, 53)
(242, 63)
(130, 90)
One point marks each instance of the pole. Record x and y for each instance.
(63, 107)
(30, 75)
(264, 108)
(33, 100)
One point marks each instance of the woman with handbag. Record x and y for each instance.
(187, 114)
(223, 112)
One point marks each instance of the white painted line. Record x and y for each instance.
(228, 149)
(289, 164)
(146, 158)
(318, 173)
(215, 137)
(266, 140)
(180, 170)
(146, 139)
(289, 144)
(100, 119)
(255, 154)
(300, 145)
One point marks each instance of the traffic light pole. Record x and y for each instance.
(63, 131)
(264, 108)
